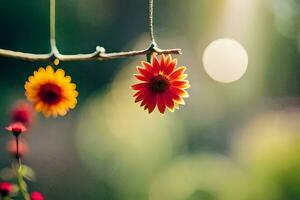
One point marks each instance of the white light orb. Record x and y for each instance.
(225, 60)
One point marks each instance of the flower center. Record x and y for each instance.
(50, 93)
(159, 84)
(4, 192)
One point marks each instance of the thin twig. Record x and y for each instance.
(17, 145)
(54, 49)
(21, 183)
(98, 54)
(150, 21)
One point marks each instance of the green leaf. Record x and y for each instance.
(26, 172)
(15, 190)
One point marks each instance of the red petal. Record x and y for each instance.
(181, 84)
(169, 102)
(161, 103)
(177, 72)
(144, 72)
(163, 63)
(155, 64)
(168, 59)
(140, 97)
(139, 86)
(140, 91)
(146, 99)
(152, 104)
(181, 101)
(169, 69)
(180, 92)
(147, 66)
(173, 95)
(141, 77)
(137, 93)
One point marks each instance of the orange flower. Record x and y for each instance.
(162, 84)
(51, 92)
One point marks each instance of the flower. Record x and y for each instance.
(36, 196)
(22, 112)
(16, 128)
(162, 84)
(17, 152)
(51, 92)
(5, 189)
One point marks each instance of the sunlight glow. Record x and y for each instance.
(225, 60)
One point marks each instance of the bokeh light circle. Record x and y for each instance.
(225, 60)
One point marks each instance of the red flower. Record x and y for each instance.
(162, 84)
(22, 112)
(17, 152)
(16, 128)
(36, 196)
(5, 189)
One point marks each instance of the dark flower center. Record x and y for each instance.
(5, 189)
(4, 192)
(159, 84)
(50, 93)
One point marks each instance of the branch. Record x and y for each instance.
(99, 54)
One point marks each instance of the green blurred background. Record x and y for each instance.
(237, 141)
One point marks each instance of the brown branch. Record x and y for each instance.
(99, 54)
(24, 56)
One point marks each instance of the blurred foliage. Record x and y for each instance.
(230, 141)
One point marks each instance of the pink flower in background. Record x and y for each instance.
(22, 112)
(17, 152)
(5, 188)
(36, 196)
(16, 128)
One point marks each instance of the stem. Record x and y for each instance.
(150, 21)
(52, 19)
(22, 185)
(54, 49)
(99, 54)
(17, 145)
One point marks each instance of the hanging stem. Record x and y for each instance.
(54, 49)
(99, 54)
(150, 21)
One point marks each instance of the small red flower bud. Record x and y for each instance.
(16, 128)
(22, 112)
(17, 152)
(36, 196)
(5, 189)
